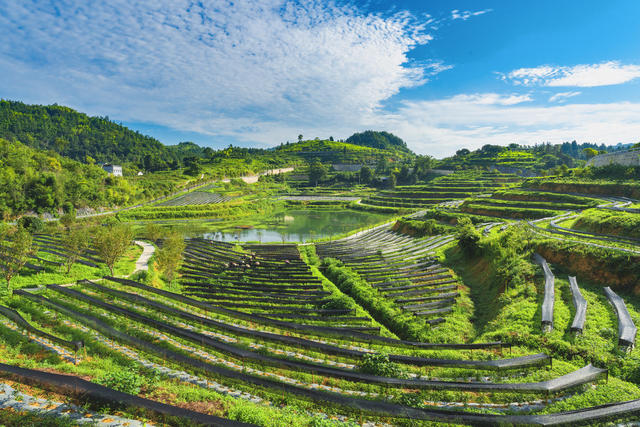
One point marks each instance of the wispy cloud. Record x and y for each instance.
(212, 67)
(439, 127)
(490, 99)
(584, 75)
(563, 96)
(432, 68)
(466, 14)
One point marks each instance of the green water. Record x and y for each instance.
(290, 225)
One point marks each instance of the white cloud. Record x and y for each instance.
(585, 75)
(436, 67)
(466, 14)
(214, 67)
(490, 99)
(440, 127)
(563, 96)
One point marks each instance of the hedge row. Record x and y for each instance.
(404, 324)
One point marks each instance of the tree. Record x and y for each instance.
(16, 247)
(75, 242)
(152, 232)
(366, 175)
(423, 165)
(111, 242)
(383, 140)
(33, 224)
(317, 172)
(300, 138)
(590, 152)
(192, 166)
(468, 236)
(169, 256)
(67, 220)
(383, 166)
(393, 179)
(404, 175)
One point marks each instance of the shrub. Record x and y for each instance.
(341, 302)
(468, 237)
(124, 380)
(379, 364)
(32, 224)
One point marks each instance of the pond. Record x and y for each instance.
(290, 225)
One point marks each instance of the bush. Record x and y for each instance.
(124, 380)
(379, 364)
(341, 302)
(68, 208)
(468, 237)
(32, 224)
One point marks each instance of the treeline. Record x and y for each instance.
(539, 157)
(83, 138)
(39, 181)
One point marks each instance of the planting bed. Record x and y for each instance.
(196, 198)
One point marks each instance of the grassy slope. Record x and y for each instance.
(514, 316)
(57, 275)
(610, 222)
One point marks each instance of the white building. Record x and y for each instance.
(114, 170)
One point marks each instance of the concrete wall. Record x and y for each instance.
(624, 158)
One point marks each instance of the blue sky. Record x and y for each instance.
(440, 74)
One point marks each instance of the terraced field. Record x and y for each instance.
(196, 198)
(257, 321)
(444, 189)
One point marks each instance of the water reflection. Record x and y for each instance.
(299, 226)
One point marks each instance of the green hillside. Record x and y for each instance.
(45, 182)
(330, 151)
(80, 137)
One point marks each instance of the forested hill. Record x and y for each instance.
(378, 139)
(81, 137)
(35, 180)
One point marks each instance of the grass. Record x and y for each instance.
(57, 275)
(609, 222)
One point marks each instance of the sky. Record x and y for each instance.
(442, 75)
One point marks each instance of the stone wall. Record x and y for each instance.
(625, 158)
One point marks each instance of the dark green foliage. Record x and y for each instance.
(78, 136)
(192, 166)
(341, 302)
(612, 172)
(538, 158)
(16, 247)
(317, 172)
(32, 224)
(366, 175)
(383, 140)
(34, 180)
